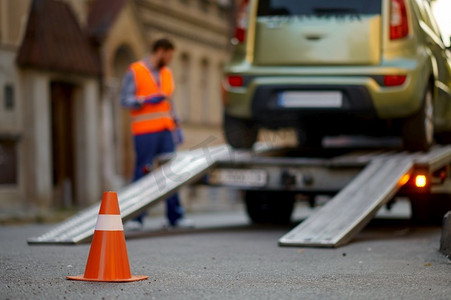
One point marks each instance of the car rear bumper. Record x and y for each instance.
(355, 99)
(363, 95)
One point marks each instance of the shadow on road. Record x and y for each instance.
(377, 230)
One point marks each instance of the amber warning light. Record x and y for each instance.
(420, 181)
(404, 179)
(414, 180)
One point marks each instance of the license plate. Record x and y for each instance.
(311, 99)
(240, 178)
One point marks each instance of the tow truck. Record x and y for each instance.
(359, 180)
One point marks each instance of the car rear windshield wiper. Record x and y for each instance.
(334, 11)
(279, 11)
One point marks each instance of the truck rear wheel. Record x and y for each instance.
(429, 209)
(309, 138)
(240, 133)
(418, 129)
(273, 207)
(443, 138)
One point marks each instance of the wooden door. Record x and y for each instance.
(63, 143)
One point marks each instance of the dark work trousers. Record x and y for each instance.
(147, 147)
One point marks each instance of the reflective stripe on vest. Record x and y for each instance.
(152, 117)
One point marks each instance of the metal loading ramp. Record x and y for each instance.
(345, 215)
(133, 199)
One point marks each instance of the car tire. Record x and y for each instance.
(418, 129)
(240, 133)
(274, 207)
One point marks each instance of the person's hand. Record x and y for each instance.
(137, 105)
(176, 120)
(178, 135)
(154, 99)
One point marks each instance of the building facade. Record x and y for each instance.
(64, 137)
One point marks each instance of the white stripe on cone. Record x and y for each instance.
(109, 223)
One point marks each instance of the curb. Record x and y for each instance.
(28, 216)
(445, 240)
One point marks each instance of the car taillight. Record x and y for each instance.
(394, 80)
(399, 27)
(235, 81)
(241, 21)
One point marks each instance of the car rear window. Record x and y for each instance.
(318, 7)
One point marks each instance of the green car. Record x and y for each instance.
(329, 67)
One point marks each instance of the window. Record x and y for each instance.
(204, 5)
(9, 97)
(8, 162)
(223, 12)
(184, 91)
(430, 19)
(205, 88)
(318, 7)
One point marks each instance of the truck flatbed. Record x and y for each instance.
(361, 180)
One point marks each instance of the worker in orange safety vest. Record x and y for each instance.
(147, 90)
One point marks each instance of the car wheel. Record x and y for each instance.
(240, 133)
(273, 207)
(418, 129)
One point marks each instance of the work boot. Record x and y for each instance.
(184, 223)
(181, 223)
(133, 225)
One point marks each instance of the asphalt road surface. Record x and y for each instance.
(226, 258)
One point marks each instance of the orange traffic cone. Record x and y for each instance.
(108, 259)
